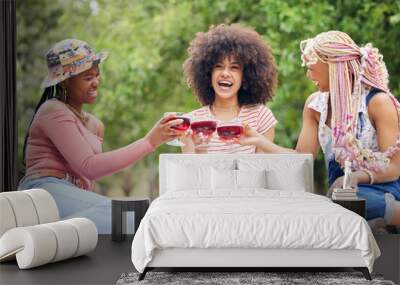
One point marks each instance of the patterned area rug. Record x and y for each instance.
(243, 278)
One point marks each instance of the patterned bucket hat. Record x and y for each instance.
(68, 58)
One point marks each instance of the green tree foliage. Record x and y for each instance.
(147, 42)
(33, 18)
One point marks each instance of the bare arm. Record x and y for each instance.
(308, 138)
(384, 117)
(269, 135)
(263, 144)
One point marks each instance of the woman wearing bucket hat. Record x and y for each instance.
(63, 145)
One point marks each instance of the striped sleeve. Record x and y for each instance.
(265, 120)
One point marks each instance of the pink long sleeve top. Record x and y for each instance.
(59, 141)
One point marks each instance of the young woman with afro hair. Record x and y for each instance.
(233, 74)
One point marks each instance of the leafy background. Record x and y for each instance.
(147, 41)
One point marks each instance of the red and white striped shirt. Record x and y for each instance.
(259, 117)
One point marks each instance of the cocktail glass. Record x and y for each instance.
(203, 128)
(230, 131)
(181, 127)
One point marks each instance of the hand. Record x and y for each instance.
(162, 132)
(249, 137)
(339, 184)
(194, 141)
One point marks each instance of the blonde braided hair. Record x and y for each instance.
(351, 70)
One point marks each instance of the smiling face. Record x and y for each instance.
(82, 88)
(226, 78)
(318, 72)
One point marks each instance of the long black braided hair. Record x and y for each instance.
(50, 92)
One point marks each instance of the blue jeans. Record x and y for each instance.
(74, 202)
(376, 198)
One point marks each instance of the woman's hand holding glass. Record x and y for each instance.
(263, 144)
(182, 127)
(249, 136)
(165, 130)
(202, 129)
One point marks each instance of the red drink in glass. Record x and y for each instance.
(183, 126)
(228, 133)
(204, 127)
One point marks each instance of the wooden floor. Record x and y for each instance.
(102, 266)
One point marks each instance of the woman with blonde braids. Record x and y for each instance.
(352, 117)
